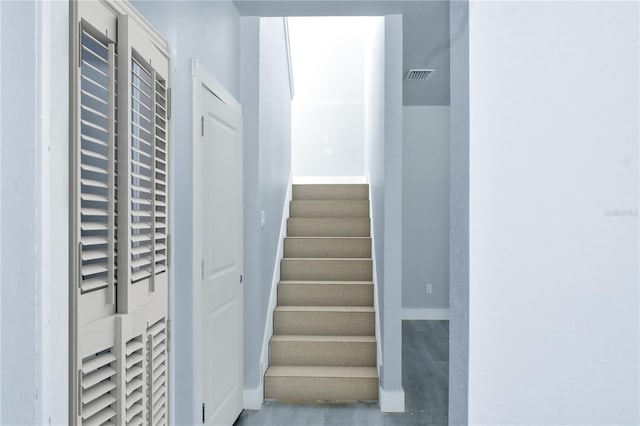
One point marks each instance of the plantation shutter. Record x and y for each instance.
(119, 175)
(143, 71)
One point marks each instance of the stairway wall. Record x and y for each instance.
(266, 96)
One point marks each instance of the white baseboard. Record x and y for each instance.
(273, 296)
(376, 305)
(391, 401)
(252, 398)
(425, 314)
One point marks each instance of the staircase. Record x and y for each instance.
(324, 345)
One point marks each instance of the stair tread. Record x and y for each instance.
(326, 258)
(325, 238)
(334, 372)
(365, 309)
(328, 282)
(307, 338)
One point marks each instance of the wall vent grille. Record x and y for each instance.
(419, 74)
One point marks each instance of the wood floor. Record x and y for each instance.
(425, 360)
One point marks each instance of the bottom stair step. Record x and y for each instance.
(321, 383)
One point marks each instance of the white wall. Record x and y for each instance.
(328, 111)
(210, 32)
(554, 301)
(425, 207)
(374, 148)
(328, 139)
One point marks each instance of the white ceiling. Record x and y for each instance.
(425, 38)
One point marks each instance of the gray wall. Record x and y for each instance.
(459, 216)
(267, 172)
(210, 32)
(554, 229)
(20, 214)
(34, 204)
(392, 343)
(425, 35)
(425, 206)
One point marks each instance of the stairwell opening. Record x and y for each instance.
(329, 57)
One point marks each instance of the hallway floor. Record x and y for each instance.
(425, 377)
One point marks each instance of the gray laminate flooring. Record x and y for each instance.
(425, 379)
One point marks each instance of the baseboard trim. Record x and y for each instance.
(376, 305)
(273, 296)
(425, 314)
(391, 401)
(252, 398)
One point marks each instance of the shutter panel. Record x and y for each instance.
(161, 225)
(98, 388)
(97, 174)
(134, 381)
(119, 300)
(157, 374)
(144, 128)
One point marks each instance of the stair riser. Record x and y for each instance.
(331, 192)
(321, 389)
(344, 354)
(326, 270)
(325, 295)
(329, 208)
(324, 323)
(327, 247)
(328, 227)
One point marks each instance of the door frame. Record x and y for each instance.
(200, 76)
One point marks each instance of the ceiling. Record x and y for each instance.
(425, 35)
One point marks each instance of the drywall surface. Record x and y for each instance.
(54, 168)
(425, 207)
(186, 25)
(554, 248)
(266, 95)
(374, 147)
(425, 35)
(21, 214)
(328, 139)
(459, 216)
(391, 379)
(253, 281)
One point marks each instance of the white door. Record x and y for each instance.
(221, 195)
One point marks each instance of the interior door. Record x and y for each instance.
(221, 195)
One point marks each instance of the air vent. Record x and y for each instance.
(419, 74)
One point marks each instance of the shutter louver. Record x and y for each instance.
(97, 163)
(134, 382)
(142, 167)
(156, 376)
(98, 394)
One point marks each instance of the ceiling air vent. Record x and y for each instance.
(419, 74)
